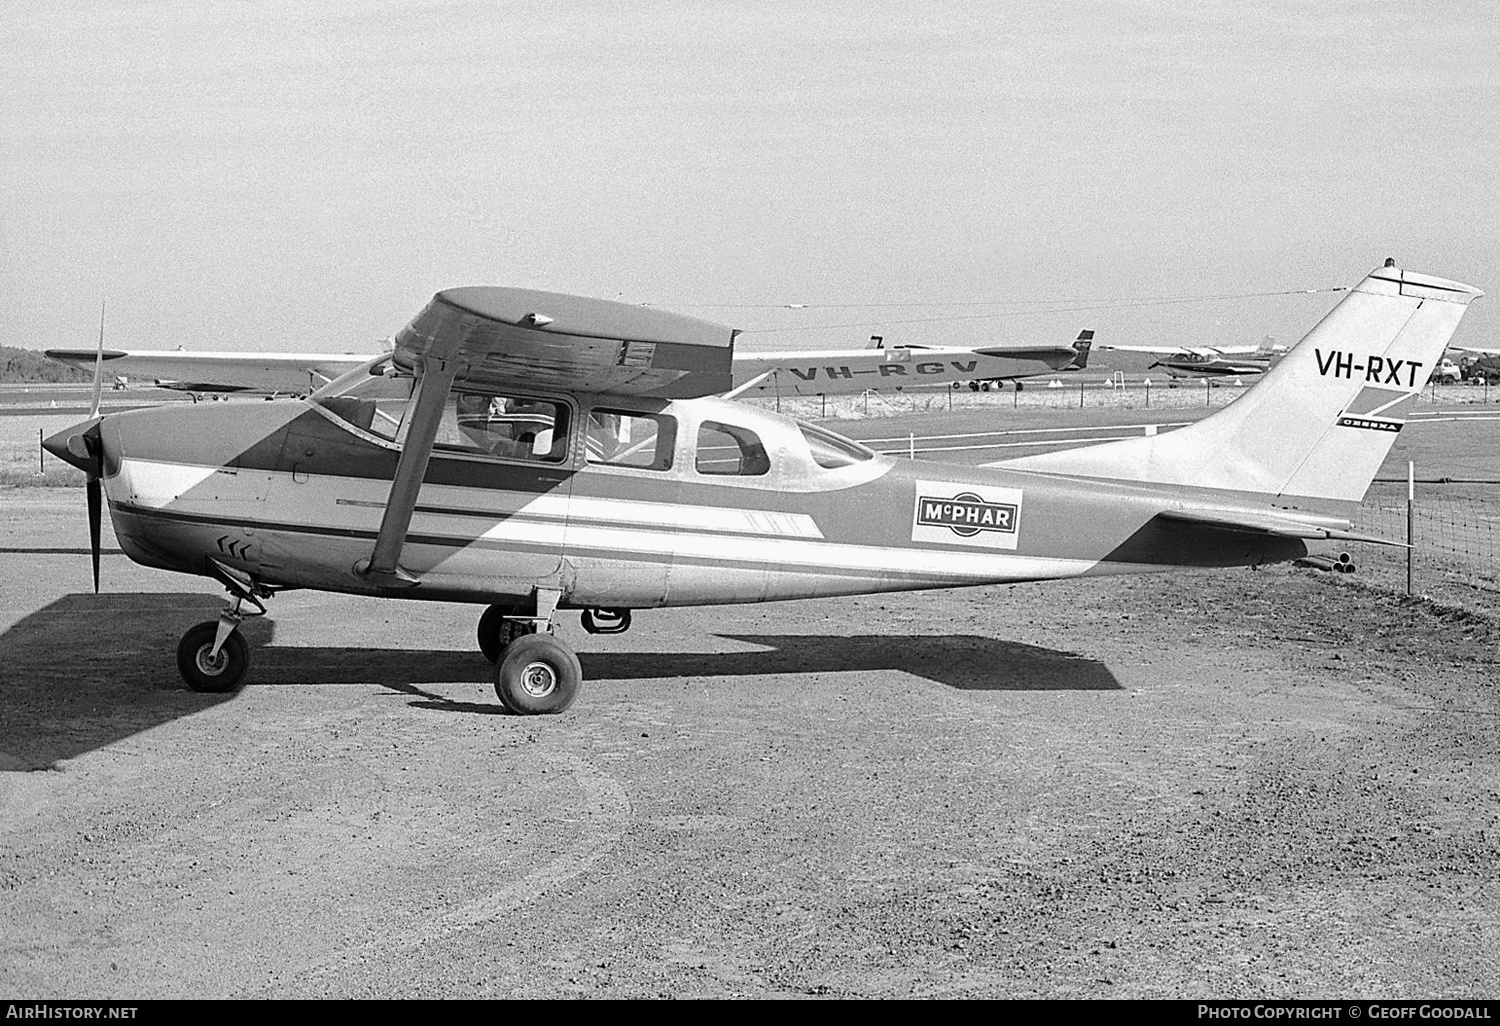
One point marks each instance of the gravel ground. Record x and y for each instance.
(1281, 783)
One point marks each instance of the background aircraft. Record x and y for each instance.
(1210, 361)
(606, 487)
(1479, 364)
(825, 372)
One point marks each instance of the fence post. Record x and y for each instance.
(1208, 392)
(41, 454)
(1080, 395)
(1148, 393)
(1411, 502)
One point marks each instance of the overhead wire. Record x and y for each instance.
(1045, 307)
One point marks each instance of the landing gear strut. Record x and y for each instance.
(534, 671)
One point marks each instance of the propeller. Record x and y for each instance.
(92, 488)
(82, 445)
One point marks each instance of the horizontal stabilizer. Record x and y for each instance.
(1271, 523)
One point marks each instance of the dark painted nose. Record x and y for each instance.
(80, 445)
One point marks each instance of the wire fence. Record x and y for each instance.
(1459, 521)
(1455, 538)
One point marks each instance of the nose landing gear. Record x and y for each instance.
(211, 664)
(212, 656)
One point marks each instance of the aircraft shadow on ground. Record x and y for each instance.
(89, 670)
(965, 662)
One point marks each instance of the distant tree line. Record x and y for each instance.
(27, 366)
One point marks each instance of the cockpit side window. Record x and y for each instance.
(831, 451)
(620, 438)
(724, 449)
(510, 427)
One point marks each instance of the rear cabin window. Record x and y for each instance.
(508, 427)
(617, 438)
(831, 451)
(724, 449)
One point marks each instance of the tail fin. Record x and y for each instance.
(1081, 346)
(876, 342)
(1314, 430)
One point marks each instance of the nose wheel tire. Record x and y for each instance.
(496, 632)
(205, 672)
(538, 674)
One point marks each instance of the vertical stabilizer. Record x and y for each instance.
(1081, 346)
(1313, 432)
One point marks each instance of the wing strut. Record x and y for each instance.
(383, 567)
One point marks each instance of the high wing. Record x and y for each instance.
(1476, 349)
(789, 372)
(491, 337)
(506, 336)
(258, 373)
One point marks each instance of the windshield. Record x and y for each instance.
(372, 397)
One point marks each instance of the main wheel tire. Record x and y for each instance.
(496, 632)
(538, 674)
(213, 675)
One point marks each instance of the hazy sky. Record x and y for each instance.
(305, 175)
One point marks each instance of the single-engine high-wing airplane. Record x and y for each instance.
(1209, 361)
(787, 373)
(1480, 365)
(533, 453)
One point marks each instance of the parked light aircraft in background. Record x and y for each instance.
(534, 452)
(788, 373)
(1210, 361)
(1480, 365)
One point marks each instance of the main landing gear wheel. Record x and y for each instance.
(496, 632)
(538, 674)
(205, 672)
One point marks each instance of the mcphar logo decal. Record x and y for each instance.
(966, 514)
(990, 517)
